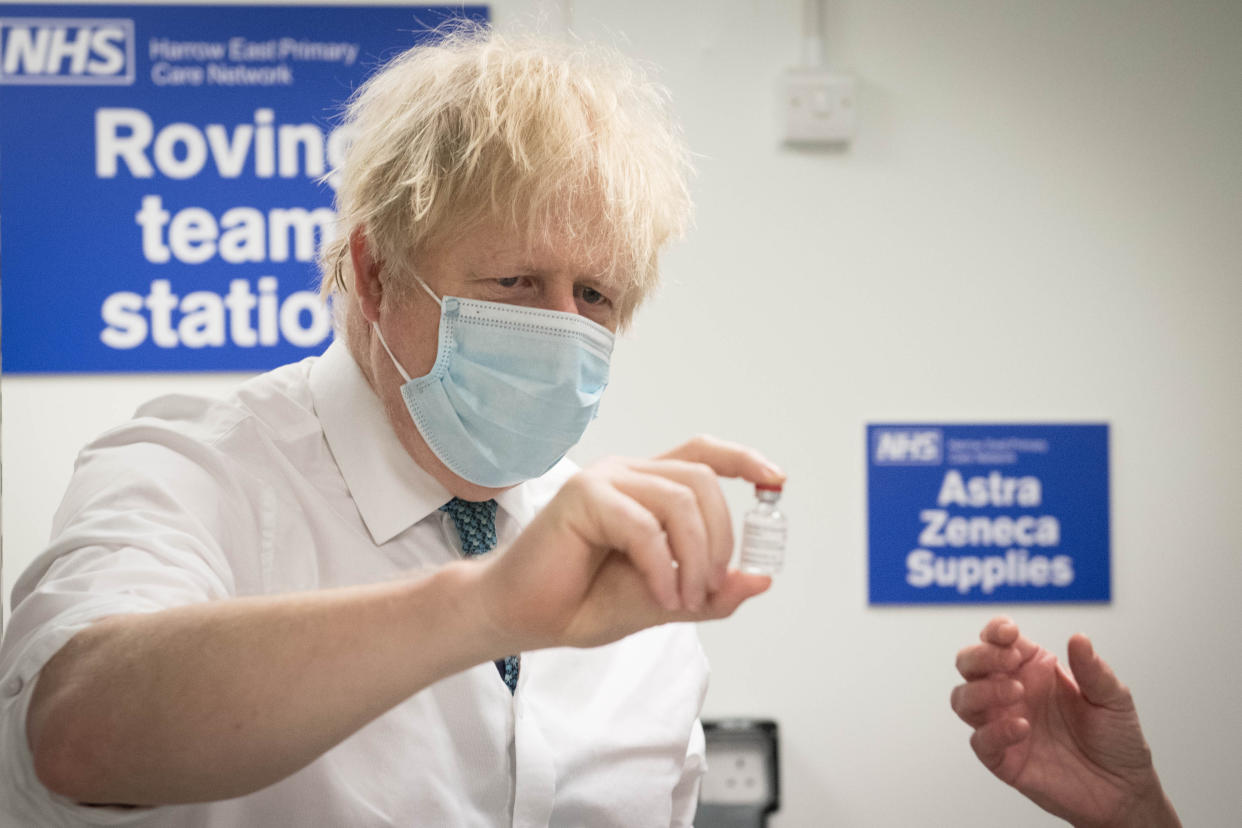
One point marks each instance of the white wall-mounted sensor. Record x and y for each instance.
(818, 107)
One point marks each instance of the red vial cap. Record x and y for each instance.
(767, 487)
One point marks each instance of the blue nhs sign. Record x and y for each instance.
(988, 513)
(167, 177)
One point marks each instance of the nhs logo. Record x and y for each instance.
(66, 51)
(907, 446)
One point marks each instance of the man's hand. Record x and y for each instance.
(626, 544)
(1072, 744)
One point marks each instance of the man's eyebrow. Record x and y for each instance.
(515, 265)
(523, 265)
(610, 288)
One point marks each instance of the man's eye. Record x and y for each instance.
(508, 281)
(593, 297)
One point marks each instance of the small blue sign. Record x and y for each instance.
(987, 513)
(163, 177)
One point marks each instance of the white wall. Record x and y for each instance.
(1039, 220)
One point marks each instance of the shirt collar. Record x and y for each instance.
(392, 492)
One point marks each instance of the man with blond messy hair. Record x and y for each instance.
(261, 612)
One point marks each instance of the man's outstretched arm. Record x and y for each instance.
(218, 699)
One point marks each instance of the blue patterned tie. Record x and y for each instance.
(476, 526)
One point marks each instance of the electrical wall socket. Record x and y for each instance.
(817, 107)
(736, 775)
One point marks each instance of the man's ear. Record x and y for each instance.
(367, 286)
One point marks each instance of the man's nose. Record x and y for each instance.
(561, 299)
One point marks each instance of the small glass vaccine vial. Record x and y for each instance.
(764, 533)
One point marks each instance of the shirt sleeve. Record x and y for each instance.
(142, 528)
(686, 793)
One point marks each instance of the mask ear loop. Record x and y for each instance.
(380, 333)
(430, 292)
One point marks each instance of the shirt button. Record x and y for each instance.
(13, 686)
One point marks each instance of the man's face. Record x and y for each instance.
(495, 266)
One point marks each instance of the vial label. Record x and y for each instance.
(763, 547)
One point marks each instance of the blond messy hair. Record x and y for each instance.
(545, 137)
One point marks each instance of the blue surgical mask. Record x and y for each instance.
(513, 388)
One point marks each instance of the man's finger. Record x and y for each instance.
(712, 506)
(1003, 632)
(982, 660)
(992, 740)
(676, 506)
(616, 521)
(728, 459)
(978, 702)
(737, 587)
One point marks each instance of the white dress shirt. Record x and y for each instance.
(298, 482)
